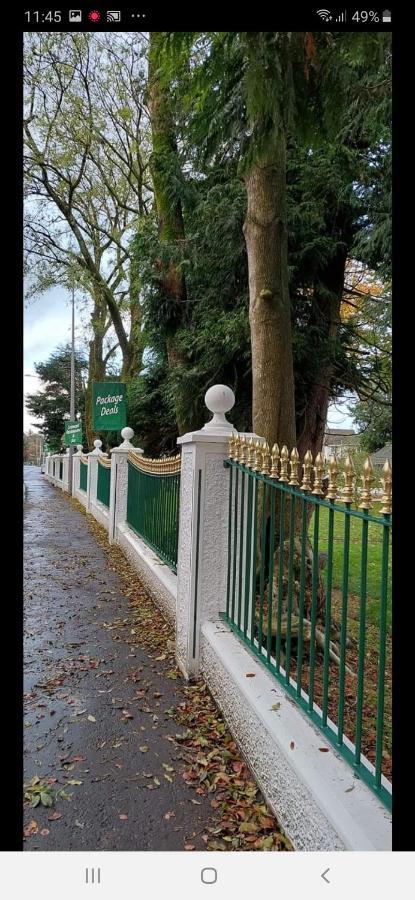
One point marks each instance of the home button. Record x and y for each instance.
(209, 876)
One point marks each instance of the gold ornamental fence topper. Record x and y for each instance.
(171, 465)
(286, 467)
(103, 461)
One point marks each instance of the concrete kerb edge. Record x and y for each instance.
(315, 796)
(160, 581)
(100, 512)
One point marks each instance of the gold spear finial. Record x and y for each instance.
(307, 470)
(295, 467)
(318, 475)
(387, 488)
(258, 456)
(266, 459)
(242, 450)
(348, 475)
(333, 474)
(251, 454)
(231, 447)
(284, 463)
(367, 480)
(275, 455)
(245, 450)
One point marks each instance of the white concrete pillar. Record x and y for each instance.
(203, 527)
(93, 473)
(65, 479)
(76, 464)
(119, 482)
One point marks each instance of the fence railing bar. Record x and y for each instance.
(280, 599)
(382, 658)
(362, 643)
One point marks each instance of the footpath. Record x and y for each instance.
(95, 720)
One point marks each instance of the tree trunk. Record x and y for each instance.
(265, 230)
(311, 423)
(163, 161)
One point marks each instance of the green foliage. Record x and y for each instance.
(374, 420)
(51, 405)
(213, 334)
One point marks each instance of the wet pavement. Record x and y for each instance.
(95, 724)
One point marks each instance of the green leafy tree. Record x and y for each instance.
(50, 407)
(318, 105)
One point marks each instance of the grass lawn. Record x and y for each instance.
(374, 559)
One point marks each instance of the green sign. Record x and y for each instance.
(73, 433)
(108, 406)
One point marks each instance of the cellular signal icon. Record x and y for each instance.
(324, 14)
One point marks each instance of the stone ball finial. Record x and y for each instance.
(97, 444)
(219, 399)
(127, 433)
(79, 448)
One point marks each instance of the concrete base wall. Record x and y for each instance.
(315, 796)
(156, 576)
(100, 513)
(80, 496)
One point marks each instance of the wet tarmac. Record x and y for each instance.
(84, 724)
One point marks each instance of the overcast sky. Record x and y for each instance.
(47, 323)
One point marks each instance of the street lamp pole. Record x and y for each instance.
(72, 399)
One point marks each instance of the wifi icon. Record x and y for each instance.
(324, 14)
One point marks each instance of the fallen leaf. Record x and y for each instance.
(91, 719)
(250, 675)
(54, 816)
(292, 745)
(169, 815)
(189, 847)
(31, 828)
(44, 832)
(73, 781)
(143, 749)
(123, 817)
(323, 749)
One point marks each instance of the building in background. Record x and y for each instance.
(379, 458)
(339, 441)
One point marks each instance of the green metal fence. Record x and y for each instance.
(83, 476)
(153, 504)
(104, 482)
(308, 590)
